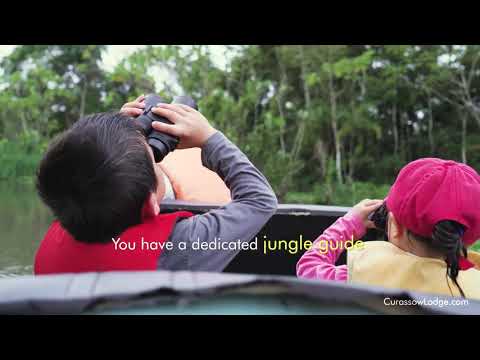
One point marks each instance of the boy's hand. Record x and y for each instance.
(365, 208)
(134, 108)
(189, 125)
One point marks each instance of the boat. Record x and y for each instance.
(259, 280)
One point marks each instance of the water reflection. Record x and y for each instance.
(23, 222)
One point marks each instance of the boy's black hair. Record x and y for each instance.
(96, 176)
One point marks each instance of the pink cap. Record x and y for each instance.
(430, 190)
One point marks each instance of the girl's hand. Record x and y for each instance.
(365, 208)
(135, 107)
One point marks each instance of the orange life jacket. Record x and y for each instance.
(191, 181)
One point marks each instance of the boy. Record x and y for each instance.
(101, 182)
(177, 168)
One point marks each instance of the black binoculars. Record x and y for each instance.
(161, 143)
(379, 218)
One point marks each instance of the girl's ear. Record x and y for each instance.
(151, 207)
(395, 230)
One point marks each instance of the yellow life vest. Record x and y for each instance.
(383, 264)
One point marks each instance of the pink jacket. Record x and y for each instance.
(315, 265)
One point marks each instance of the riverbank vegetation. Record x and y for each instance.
(326, 124)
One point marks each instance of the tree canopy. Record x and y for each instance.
(326, 124)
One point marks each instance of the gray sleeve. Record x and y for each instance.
(253, 204)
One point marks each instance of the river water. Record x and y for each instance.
(23, 222)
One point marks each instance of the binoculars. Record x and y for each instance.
(379, 218)
(161, 143)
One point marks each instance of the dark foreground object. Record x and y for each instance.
(164, 292)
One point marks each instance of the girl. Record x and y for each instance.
(430, 216)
